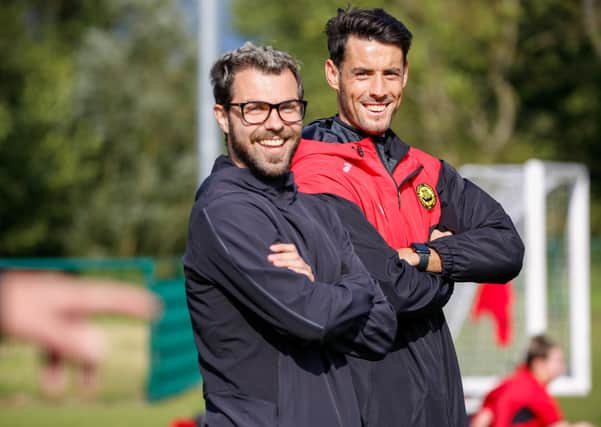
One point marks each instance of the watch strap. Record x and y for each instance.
(423, 251)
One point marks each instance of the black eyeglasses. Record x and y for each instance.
(257, 112)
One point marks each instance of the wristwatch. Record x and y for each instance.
(424, 255)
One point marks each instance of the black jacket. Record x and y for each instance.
(272, 344)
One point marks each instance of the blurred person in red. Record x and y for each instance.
(522, 399)
(51, 310)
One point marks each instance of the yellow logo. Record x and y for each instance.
(426, 196)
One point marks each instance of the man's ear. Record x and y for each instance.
(222, 118)
(405, 74)
(332, 74)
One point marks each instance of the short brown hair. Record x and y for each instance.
(263, 58)
(539, 348)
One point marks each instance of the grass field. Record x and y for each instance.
(589, 407)
(120, 400)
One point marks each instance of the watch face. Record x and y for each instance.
(421, 248)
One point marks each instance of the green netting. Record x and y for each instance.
(173, 360)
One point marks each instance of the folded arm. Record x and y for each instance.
(229, 246)
(485, 246)
(410, 291)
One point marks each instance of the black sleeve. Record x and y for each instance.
(485, 246)
(410, 291)
(229, 243)
(376, 334)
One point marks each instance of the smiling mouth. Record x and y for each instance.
(375, 108)
(271, 143)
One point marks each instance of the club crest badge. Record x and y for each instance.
(426, 195)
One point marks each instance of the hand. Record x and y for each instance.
(51, 310)
(286, 255)
(437, 234)
(483, 418)
(434, 262)
(409, 255)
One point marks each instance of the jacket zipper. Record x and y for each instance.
(407, 178)
(383, 164)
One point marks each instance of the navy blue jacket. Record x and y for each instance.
(273, 346)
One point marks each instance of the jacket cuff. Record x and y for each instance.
(446, 256)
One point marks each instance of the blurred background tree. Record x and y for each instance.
(97, 104)
(500, 81)
(97, 125)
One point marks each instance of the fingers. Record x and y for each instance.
(283, 247)
(72, 339)
(81, 296)
(437, 234)
(79, 343)
(295, 264)
(286, 260)
(53, 378)
(306, 271)
(286, 255)
(97, 296)
(50, 310)
(408, 255)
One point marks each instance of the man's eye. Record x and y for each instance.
(289, 107)
(255, 108)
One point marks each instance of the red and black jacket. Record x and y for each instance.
(419, 193)
(404, 193)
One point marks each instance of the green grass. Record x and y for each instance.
(589, 407)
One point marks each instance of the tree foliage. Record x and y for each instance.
(97, 104)
(499, 81)
(96, 127)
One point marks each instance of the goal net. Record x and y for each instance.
(549, 204)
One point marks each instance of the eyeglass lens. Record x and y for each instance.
(258, 112)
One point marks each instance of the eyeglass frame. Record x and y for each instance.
(241, 105)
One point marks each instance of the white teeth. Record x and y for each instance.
(272, 142)
(375, 108)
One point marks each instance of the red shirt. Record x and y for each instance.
(520, 400)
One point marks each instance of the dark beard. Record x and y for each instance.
(251, 163)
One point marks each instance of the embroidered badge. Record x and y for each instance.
(346, 167)
(426, 196)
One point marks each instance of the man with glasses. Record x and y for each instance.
(277, 297)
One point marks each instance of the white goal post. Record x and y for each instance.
(549, 203)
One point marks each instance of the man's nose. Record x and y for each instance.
(273, 120)
(377, 86)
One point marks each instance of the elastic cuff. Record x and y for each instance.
(446, 256)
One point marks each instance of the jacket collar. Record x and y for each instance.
(332, 129)
(282, 187)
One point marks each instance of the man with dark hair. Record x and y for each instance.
(522, 399)
(277, 297)
(437, 221)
